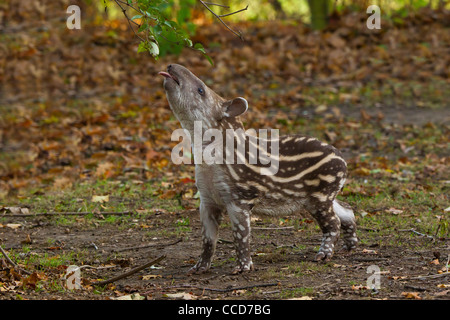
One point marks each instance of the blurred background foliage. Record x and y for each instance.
(182, 10)
(317, 14)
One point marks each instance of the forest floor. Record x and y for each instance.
(86, 177)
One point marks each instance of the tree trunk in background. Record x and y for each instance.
(276, 5)
(319, 13)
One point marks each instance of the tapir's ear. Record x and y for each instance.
(235, 107)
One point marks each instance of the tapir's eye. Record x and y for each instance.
(201, 91)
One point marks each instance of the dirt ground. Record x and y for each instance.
(284, 260)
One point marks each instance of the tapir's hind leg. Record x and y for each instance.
(348, 224)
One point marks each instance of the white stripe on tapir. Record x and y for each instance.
(297, 177)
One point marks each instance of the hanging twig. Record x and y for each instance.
(217, 4)
(129, 273)
(205, 4)
(229, 14)
(128, 19)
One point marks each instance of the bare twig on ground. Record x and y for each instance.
(64, 213)
(258, 285)
(439, 275)
(97, 268)
(129, 273)
(416, 232)
(12, 263)
(433, 276)
(148, 246)
(272, 228)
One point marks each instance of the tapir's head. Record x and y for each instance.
(191, 100)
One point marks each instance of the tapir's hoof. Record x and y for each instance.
(243, 268)
(323, 256)
(199, 268)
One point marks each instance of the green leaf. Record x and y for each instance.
(143, 27)
(154, 49)
(170, 24)
(200, 47)
(143, 46)
(138, 16)
(209, 59)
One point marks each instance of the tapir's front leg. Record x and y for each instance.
(240, 221)
(210, 216)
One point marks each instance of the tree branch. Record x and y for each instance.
(229, 14)
(205, 4)
(128, 18)
(258, 285)
(217, 4)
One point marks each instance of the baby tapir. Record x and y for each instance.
(309, 173)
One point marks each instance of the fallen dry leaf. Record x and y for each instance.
(181, 295)
(435, 261)
(394, 211)
(359, 287)
(301, 298)
(133, 296)
(151, 276)
(33, 279)
(170, 194)
(188, 194)
(239, 292)
(367, 251)
(27, 240)
(13, 225)
(100, 199)
(14, 210)
(62, 183)
(104, 170)
(398, 277)
(411, 295)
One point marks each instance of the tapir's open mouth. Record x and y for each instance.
(169, 76)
